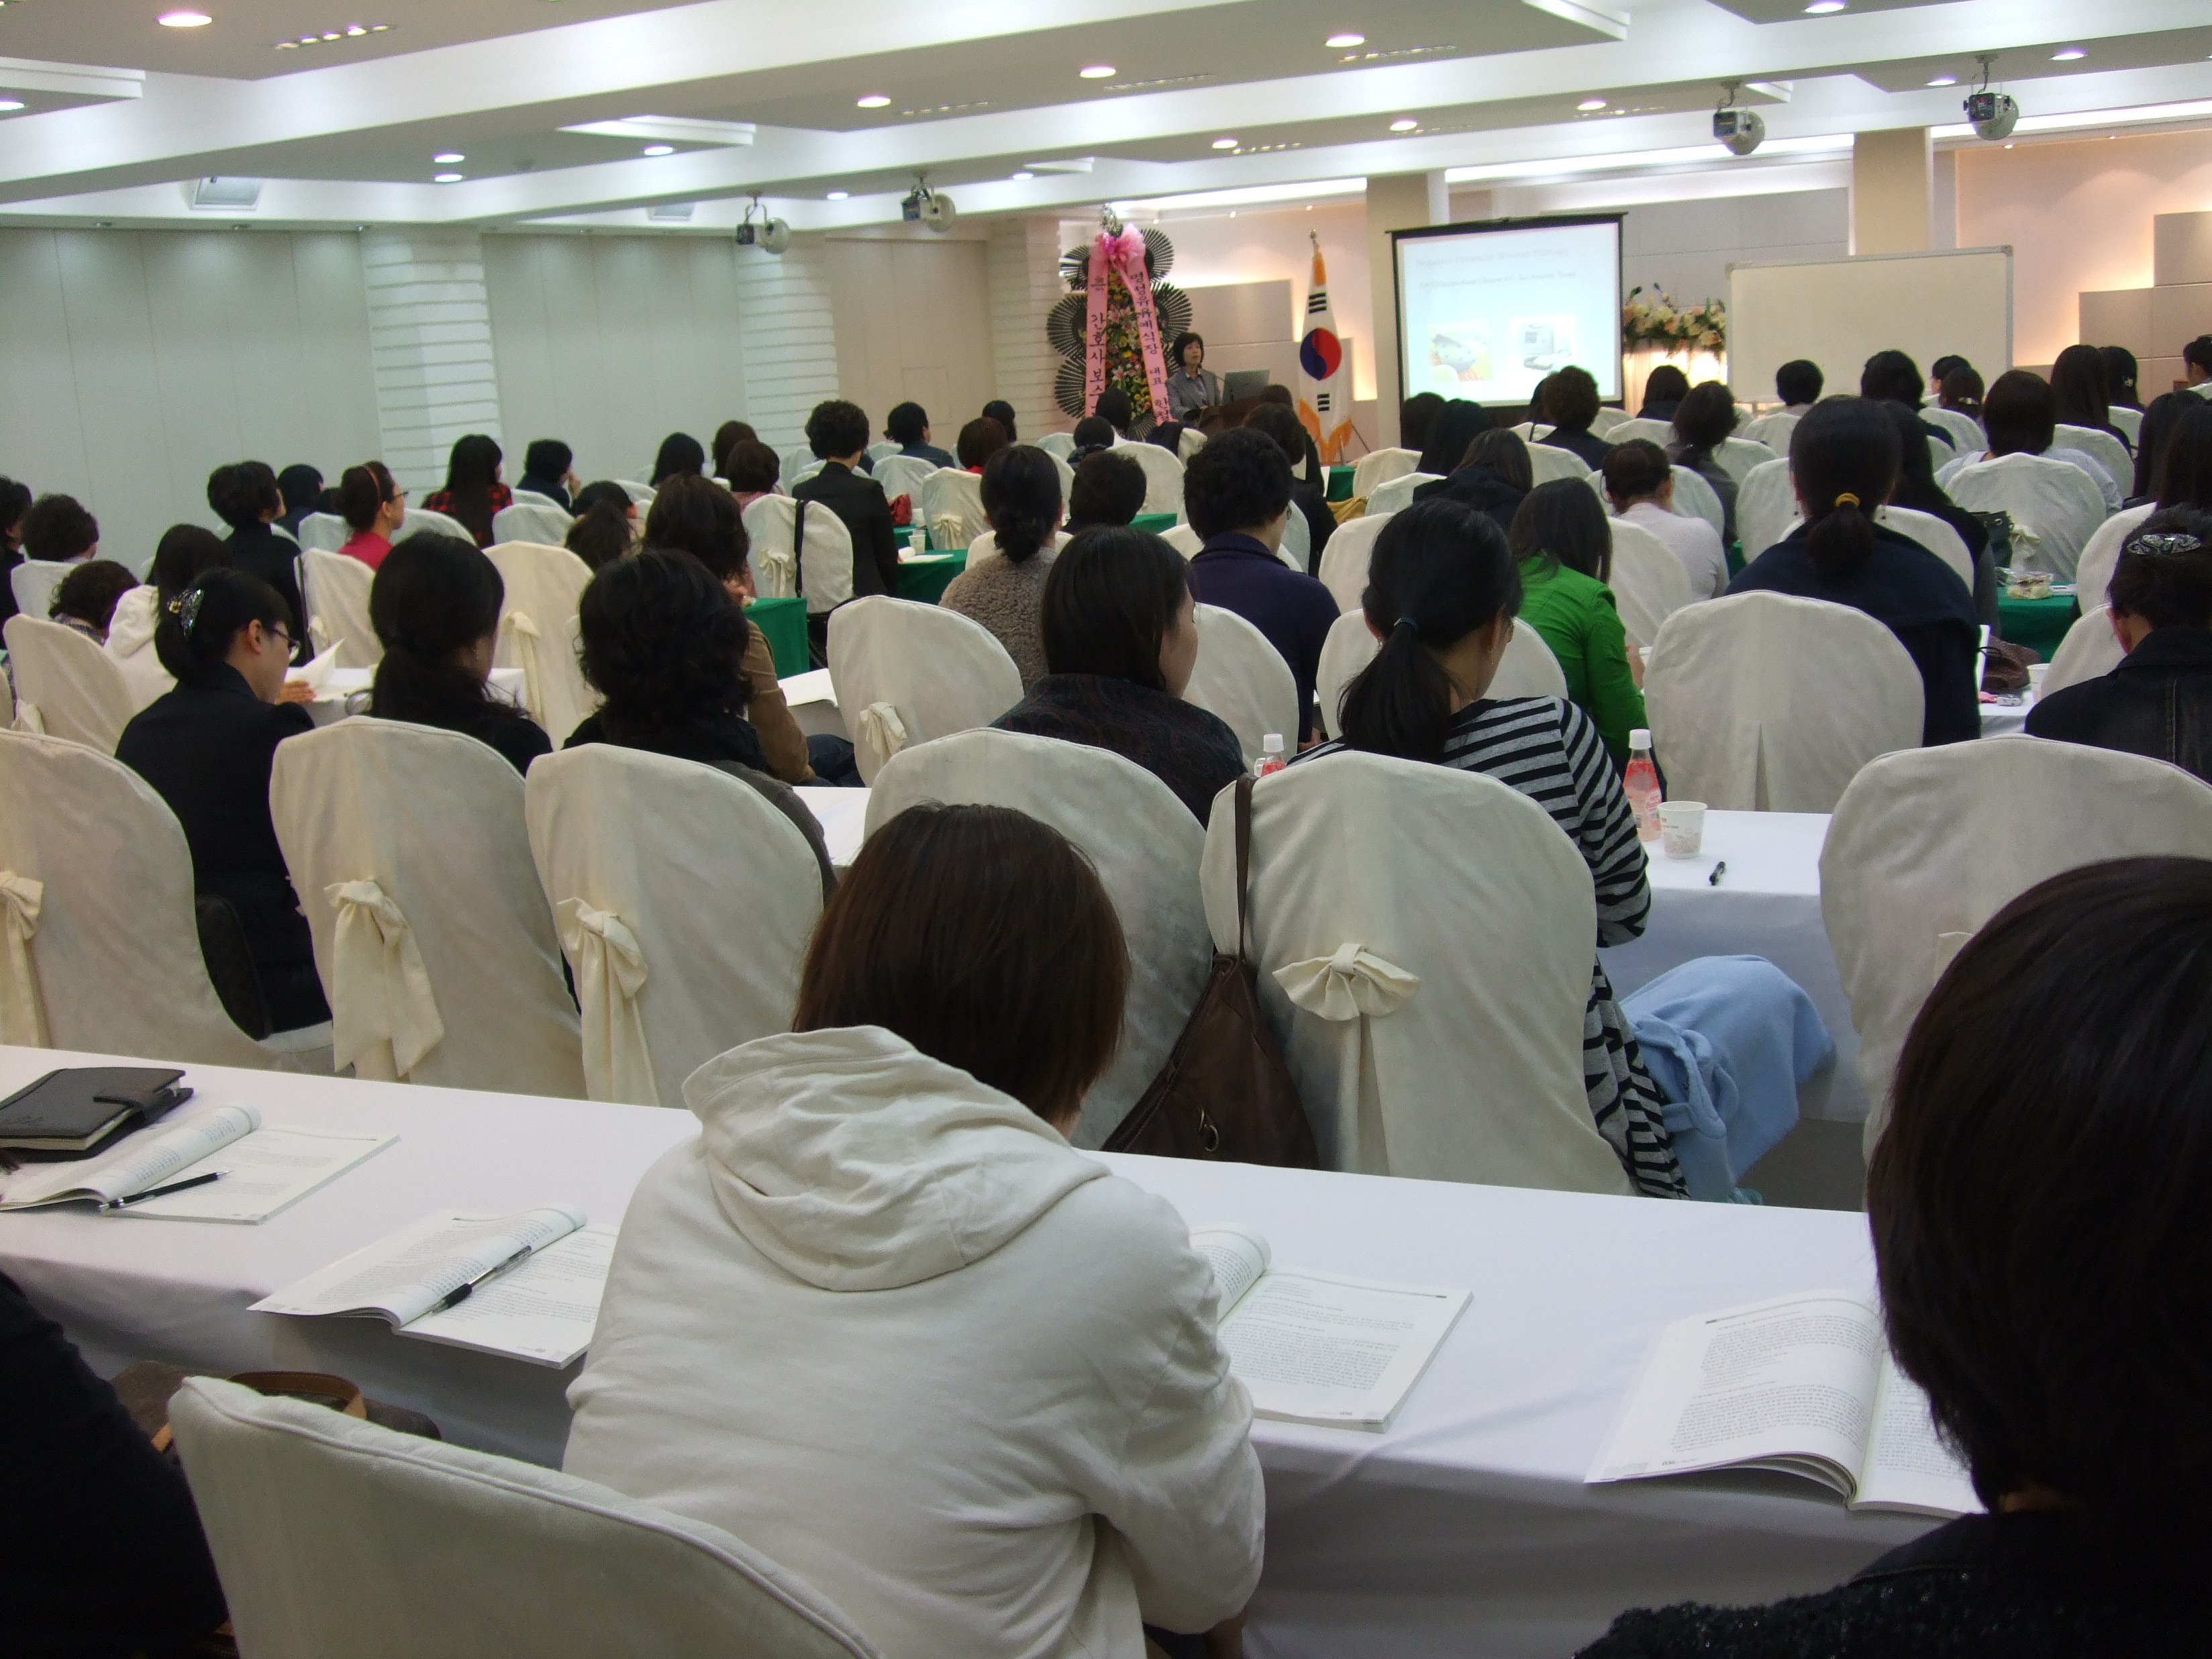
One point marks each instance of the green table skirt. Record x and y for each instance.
(1159, 523)
(784, 623)
(2038, 624)
(925, 580)
(1340, 483)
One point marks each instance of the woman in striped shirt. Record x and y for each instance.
(1441, 593)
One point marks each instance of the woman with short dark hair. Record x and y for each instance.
(1663, 394)
(85, 599)
(1571, 404)
(435, 605)
(14, 503)
(1309, 493)
(245, 497)
(729, 436)
(547, 471)
(1109, 491)
(1000, 410)
(1564, 549)
(603, 533)
(1120, 641)
(752, 469)
(2020, 415)
(1703, 422)
(473, 495)
(1192, 386)
(57, 530)
(980, 440)
(1492, 474)
(681, 455)
(2084, 398)
(1962, 392)
(1450, 429)
(1003, 587)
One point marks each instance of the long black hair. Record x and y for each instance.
(1441, 570)
(2185, 461)
(184, 552)
(198, 627)
(1562, 524)
(434, 596)
(1450, 433)
(680, 452)
(1844, 457)
(472, 470)
(1110, 599)
(1021, 496)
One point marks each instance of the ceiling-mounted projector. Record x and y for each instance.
(769, 234)
(932, 209)
(1994, 114)
(1741, 130)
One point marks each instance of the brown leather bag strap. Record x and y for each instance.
(1243, 867)
(319, 1386)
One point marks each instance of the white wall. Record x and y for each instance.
(1685, 248)
(914, 325)
(139, 362)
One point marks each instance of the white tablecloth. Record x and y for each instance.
(1465, 1529)
(844, 815)
(813, 703)
(2007, 720)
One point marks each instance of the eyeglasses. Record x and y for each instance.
(281, 633)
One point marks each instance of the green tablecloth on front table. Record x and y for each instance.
(1340, 483)
(784, 623)
(2038, 624)
(925, 580)
(1159, 523)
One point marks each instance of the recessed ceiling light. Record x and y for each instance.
(2067, 54)
(7, 104)
(873, 100)
(1404, 124)
(1339, 42)
(660, 150)
(1945, 80)
(183, 19)
(1023, 177)
(1224, 144)
(838, 195)
(1593, 103)
(447, 178)
(1095, 71)
(452, 158)
(1822, 8)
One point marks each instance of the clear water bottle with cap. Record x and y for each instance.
(1642, 785)
(1271, 755)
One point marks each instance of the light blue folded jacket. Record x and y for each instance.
(1729, 1040)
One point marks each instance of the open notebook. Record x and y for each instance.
(1803, 1384)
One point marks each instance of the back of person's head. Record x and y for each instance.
(1962, 390)
(433, 598)
(362, 492)
(300, 487)
(1021, 497)
(1110, 599)
(1276, 392)
(1440, 571)
(1450, 433)
(2164, 576)
(244, 494)
(1705, 416)
(752, 467)
(2199, 353)
(1570, 398)
(1636, 471)
(1414, 416)
(1843, 456)
(1283, 426)
(1240, 481)
(57, 529)
(1891, 374)
(2120, 372)
(1168, 435)
(1092, 432)
(1943, 365)
(663, 642)
(184, 551)
(473, 465)
(681, 455)
(1500, 449)
(2036, 1200)
(1562, 524)
(1110, 489)
(198, 624)
(837, 428)
(1536, 397)
(2077, 386)
(548, 458)
(1000, 410)
(2021, 414)
(602, 490)
(600, 534)
(1916, 463)
(1112, 408)
(729, 436)
(14, 502)
(980, 440)
(89, 591)
(1667, 382)
(906, 423)
(2184, 470)
(1798, 381)
(697, 516)
(985, 939)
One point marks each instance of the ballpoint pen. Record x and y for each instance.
(1714, 880)
(461, 1293)
(160, 1192)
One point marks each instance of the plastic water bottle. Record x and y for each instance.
(1642, 784)
(1271, 756)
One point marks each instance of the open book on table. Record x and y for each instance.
(1314, 1348)
(1803, 1384)
(526, 1284)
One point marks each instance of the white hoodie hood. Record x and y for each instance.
(130, 631)
(854, 1162)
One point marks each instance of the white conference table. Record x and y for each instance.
(1466, 1528)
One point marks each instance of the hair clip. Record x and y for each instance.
(2165, 544)
(188, 608)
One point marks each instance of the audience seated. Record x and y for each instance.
(2120, 372)
(2159, 701)
(206, 748)
(908, 426)
(1493, 476)
(1451, 429)
(1119, 645)
(729, 436)
(1843, 462)
(1942, 366)
(2196, 362)
(604, 531)
(1004, 589)
(1110, 489)
(1309, 493)
(1639, 482)
(1663, 394)
(1112, 408)
(1962, 392)
(86, 600)
(1441, 597)
(1798, 383)
(1092, 434)
(1564, 550)
(1168, 435)
(374, 506)
(1415, 416)
(2184, 473)
(1893, 375)
(980, 440)
(837, 432)
(301, 487)
(1017, 1434)
(2165, 413)
(184, 551)
(751, 470)
(2080, 390)
(14, 506)
(2020, 415)
(1917, 489)
(473, 495)
(1704, 420)
(435, 605)
(1191, 384)
(2043, 1272)
(548, 470)
(57, 530)
(1236, 495)
(1571, 404)
(681, 455)
(1000, 410)
(245, 497)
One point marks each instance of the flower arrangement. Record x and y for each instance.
(1658, 321)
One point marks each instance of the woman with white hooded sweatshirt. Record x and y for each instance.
(881, 1321)
(184, 551)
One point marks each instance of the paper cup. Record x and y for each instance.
(1682, 828)
(2037, 673)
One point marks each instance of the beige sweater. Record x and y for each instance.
(1007, 599)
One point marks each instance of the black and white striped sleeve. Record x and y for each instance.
(1606, 831)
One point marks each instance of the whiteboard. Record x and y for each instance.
(1838, 313)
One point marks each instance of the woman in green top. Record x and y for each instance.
(1565, 550)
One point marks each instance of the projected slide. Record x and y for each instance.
(1484, 314)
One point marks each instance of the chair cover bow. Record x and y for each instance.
(381, 990)
(610, 972)
(882, 731)
(22, 1021)
(529, 645)
(776, 571)
(1352, 982)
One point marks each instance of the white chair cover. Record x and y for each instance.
(1766, 507)
(2093, 574)
(1379, 466)
(532, 498)
(2090, 651)
(1243, 677)
(1926, 846)
(408, 848)
(1430, 1003)
(1163, 476)
(7, 704)
(642, 495)
(1607, 420)
(34, 582)
(419, 519)
(1694, 499)
(100, 948)
(1931, 532)
(1649, 582)
(2130, 421)
(1067, 477)
(1658, 431)
(1547, 464)
(544, 524)
(1526, 432)
(1389, 496)
(326, 531)
(1296, 548)
(1965, 431)
(951, 505)
(1146, 846)
(684, 900)
(904, 474)
(770, 523)
(537, 632)
(905, 673)
(987, 544)
(1188, 542)
(1764, 702)
(1345, 561)
(341, 1539)
(65, 685)
(882, 449)
(1773, 430)
(2103, 448)
(1738, 456)
(2056, 507)
(1527, 670)
(1189, 444)
(1059, 445)
(337, 591)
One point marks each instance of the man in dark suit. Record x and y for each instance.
(837, 432)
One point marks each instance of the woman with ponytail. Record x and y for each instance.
(374, 506)
(1844, 460)
(1003, 588)
(435, 605)
(207, 747)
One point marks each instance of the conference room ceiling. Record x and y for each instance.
(1185, 96)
